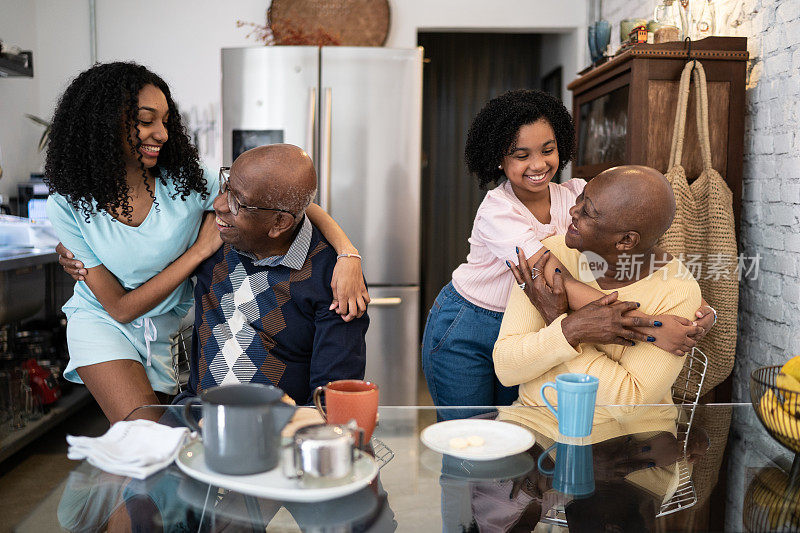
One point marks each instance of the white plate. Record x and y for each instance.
(501, 439)
(273, 484)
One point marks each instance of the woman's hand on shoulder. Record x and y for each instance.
(208, 239)
(552, 266)
(71, 266)
(549, 300)
(350, 296)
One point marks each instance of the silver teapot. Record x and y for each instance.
(322, 451)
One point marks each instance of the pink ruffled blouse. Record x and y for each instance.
(501, 224)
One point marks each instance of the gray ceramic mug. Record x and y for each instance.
(241, 427)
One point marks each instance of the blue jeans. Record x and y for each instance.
(457, 356)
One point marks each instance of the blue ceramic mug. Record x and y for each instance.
(574, 470)
(576, 397)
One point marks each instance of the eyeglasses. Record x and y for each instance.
(233, 203)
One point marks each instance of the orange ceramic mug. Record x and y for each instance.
(349, 399)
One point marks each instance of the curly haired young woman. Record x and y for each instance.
(520, 140)
(128, 201)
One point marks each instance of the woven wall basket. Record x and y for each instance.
(329, 22)
(703, 228)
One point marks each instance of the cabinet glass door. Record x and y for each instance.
(603, 129)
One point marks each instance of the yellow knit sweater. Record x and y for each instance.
(530, 353)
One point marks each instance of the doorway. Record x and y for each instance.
(462, 72)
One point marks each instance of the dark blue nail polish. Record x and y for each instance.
(546, 252)
(558, 270)
(645, 449)
(651, 339)
(517, 249)
(638, 304)
(651, 464)
(657, 324)
(508, 263)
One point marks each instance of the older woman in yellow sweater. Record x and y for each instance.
(620, 215)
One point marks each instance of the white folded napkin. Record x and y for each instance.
(135, 448)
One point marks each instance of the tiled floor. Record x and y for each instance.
(43, 465)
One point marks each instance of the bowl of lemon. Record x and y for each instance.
(775, 393)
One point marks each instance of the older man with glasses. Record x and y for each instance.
(262, 302)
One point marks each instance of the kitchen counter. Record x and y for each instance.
(24, 281)
(12, 258)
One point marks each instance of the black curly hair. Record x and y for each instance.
(93, 114)
(494, 131)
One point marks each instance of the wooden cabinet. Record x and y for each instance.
(624, 110)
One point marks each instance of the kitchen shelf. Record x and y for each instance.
(10, 68)
(66, 405)
(16, 257)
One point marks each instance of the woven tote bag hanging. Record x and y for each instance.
(703, 232)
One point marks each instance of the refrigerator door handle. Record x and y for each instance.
(325, 189)
(385, 302)
(312, 120)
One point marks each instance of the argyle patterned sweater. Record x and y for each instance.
(271, 324)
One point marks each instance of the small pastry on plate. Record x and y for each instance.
(458, 443)
(475, 440)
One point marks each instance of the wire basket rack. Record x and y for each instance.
(180, 349)
(381, 452)
(777, 408)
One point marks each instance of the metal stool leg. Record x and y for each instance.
(255, 514)
(207, 517)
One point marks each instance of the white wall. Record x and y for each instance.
(182, 44)
(512, 16)
(187, 55)
(181, 39)
(18, 135)
(562, 49)
(62, 48)
(565, 19)
(57, 33)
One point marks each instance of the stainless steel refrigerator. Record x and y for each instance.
(358, 112)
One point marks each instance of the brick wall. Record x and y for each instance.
(769, 308)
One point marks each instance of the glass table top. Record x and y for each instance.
(659, 467)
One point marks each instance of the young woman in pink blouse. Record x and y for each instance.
(520, 141)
